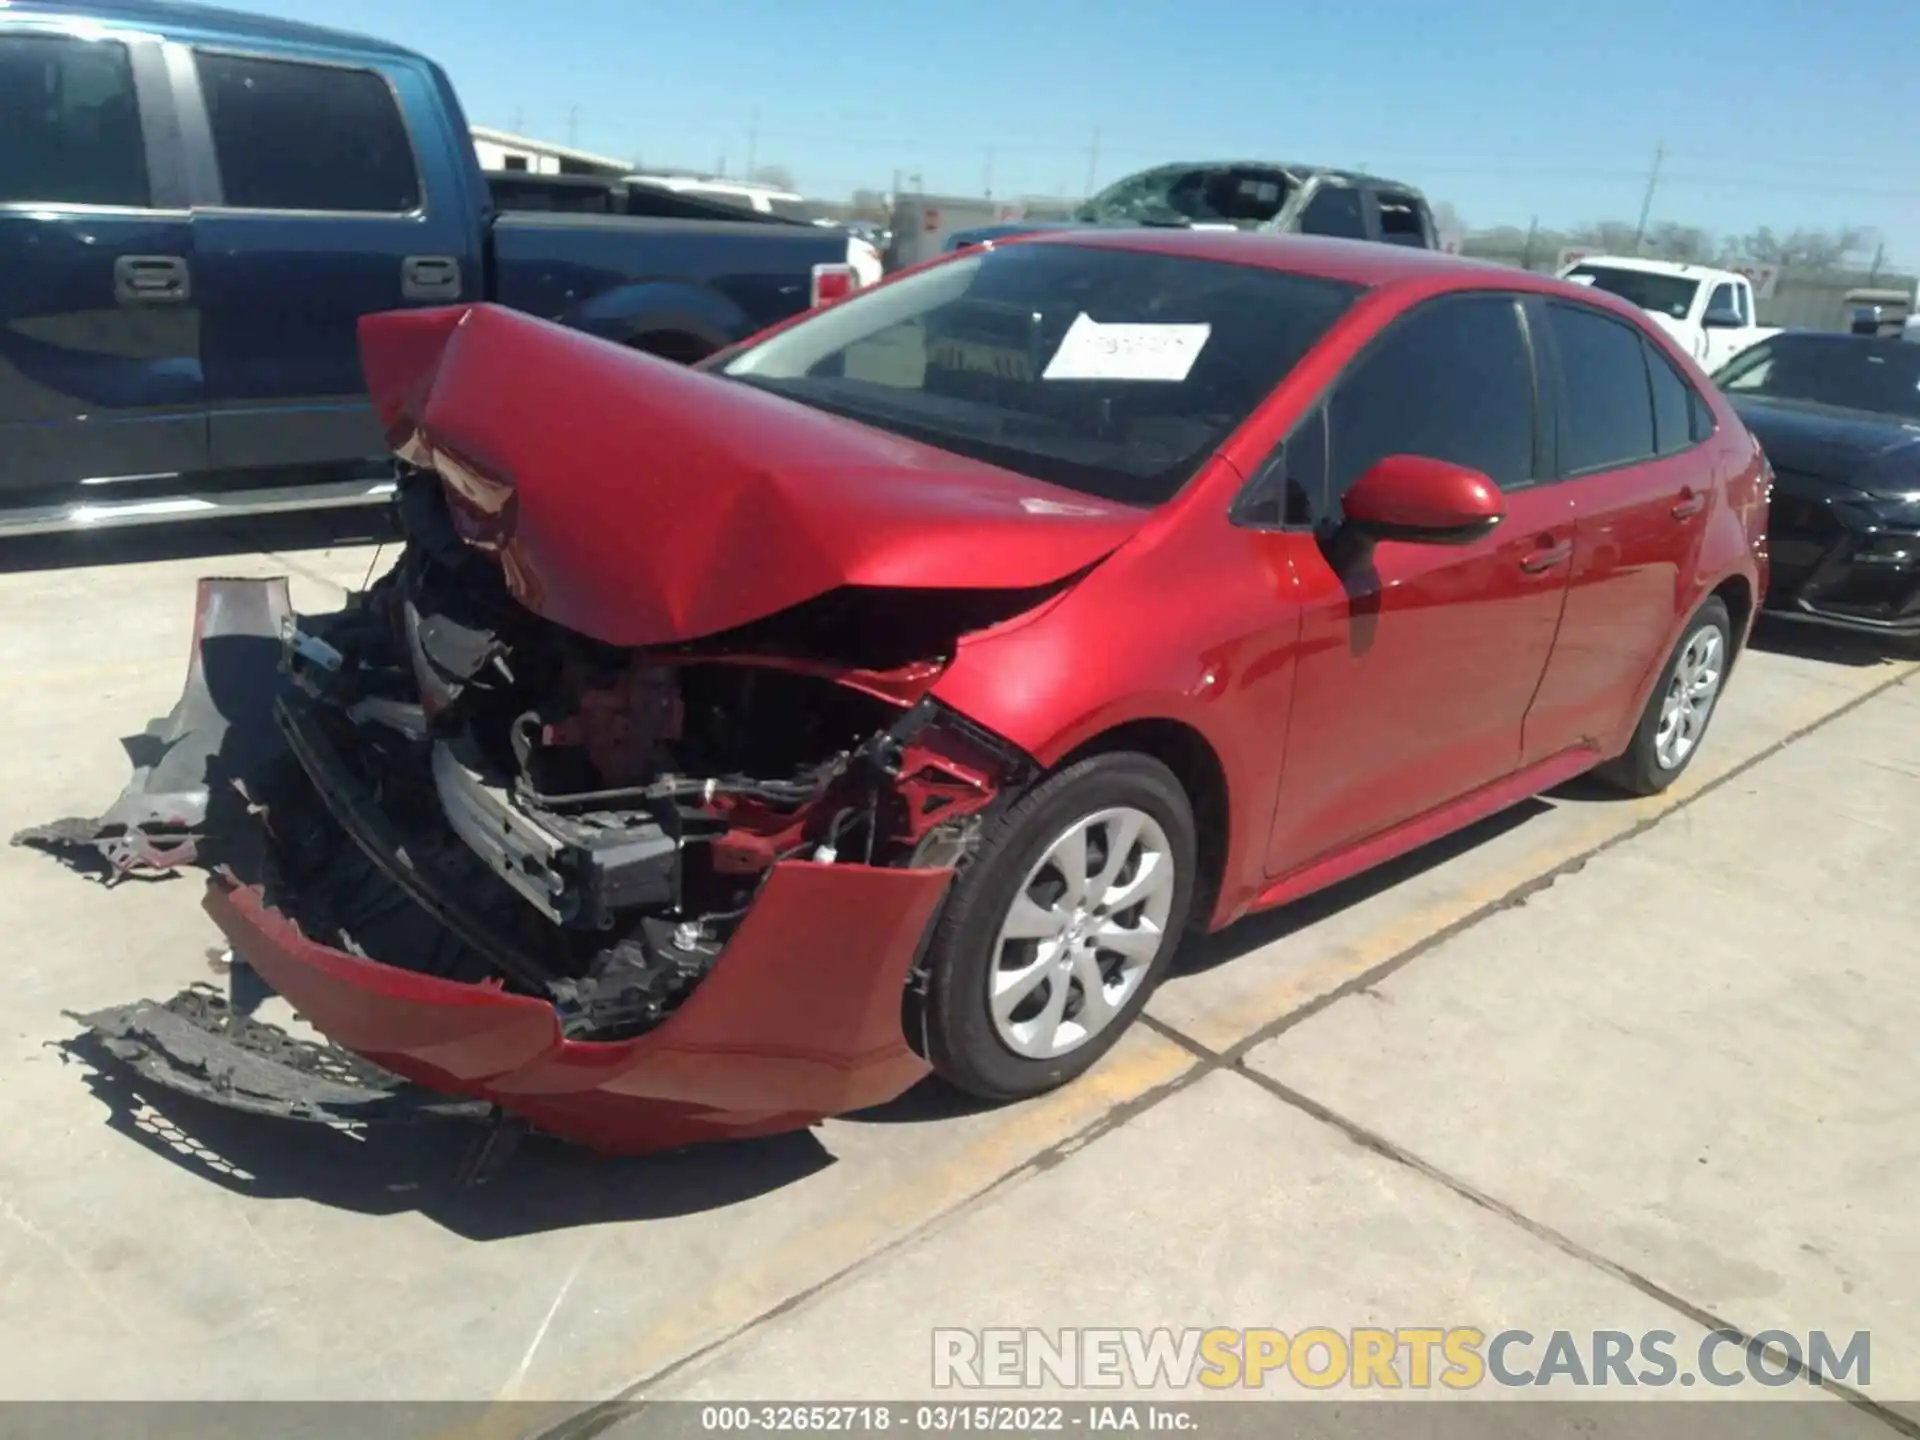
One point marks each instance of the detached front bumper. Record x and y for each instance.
(796, 1018)
(1841, 564)
(799, 1019)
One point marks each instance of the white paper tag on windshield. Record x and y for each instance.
(1092, 351)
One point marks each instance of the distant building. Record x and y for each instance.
(500, 150)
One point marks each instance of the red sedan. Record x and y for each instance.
(730, 747)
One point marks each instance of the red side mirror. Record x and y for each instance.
(1414, 498)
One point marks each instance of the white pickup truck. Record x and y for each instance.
(1709, 312)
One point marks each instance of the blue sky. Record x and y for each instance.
(1772, 112)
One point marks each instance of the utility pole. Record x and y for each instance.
(1533, 233)
(1093, 160)
(1646, 203)
(1879, 259)
(986, 176)
(753, 141)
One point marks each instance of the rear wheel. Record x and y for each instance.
(675, 345)
(1058, 932)
(1675, 720)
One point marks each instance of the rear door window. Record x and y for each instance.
(1608, 404)
(1335, 210)
(70, 123)
(1402, 219)
(1452, 381)
(292, 136)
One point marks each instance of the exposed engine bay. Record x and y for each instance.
(482, 795)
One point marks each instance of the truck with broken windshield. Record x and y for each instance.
(1252, 195)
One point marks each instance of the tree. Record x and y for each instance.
(1611, 237)
(1803, 249)
(777, 176)
(1688, 244)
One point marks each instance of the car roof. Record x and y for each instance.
(1656, 267)
(1294, 170)
(172, 17)
(1891, 344)
(1367, 263)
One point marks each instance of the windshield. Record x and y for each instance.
(1880, 376)
(1244, 196)
(1109, 372)
(1669, 295)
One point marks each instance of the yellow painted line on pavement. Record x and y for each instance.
(1142, 1063)
(1244, 1016)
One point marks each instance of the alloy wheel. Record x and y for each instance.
(1082, 932)
(1690, 696)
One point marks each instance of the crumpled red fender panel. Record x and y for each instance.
(798, 1020)
(643, 503)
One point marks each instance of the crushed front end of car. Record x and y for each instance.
(635, 898)
(636, 891)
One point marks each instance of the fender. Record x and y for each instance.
(1725, 553)
(1050, 689)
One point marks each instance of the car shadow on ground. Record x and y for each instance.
(209, 540)
(414, 1168)
(931, 1101)
(1205, 953)
(1821, 642)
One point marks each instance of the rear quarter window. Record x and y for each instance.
(1676, 405)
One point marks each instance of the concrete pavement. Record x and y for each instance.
(1206, 1173)
(1675, 1089)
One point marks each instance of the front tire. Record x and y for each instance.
(1059, 930)
(1674, 723)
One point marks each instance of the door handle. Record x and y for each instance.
(151, 280)
(1691, 502)
(1547, 556)
(430, 277)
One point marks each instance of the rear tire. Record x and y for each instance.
(675, 345)
(1034, 972)
(1675, 721)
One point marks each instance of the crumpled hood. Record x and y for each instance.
(1875, 454)
(642, 503)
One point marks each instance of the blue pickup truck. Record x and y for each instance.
(196, 208)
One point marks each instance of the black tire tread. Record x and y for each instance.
(977, 886)
(1637, 770)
